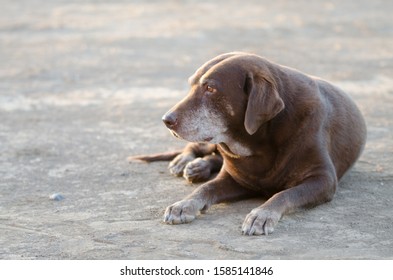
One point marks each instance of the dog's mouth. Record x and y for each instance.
(207, 139)
(175, 134)
(227, 150)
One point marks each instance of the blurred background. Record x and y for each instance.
(68, 44)
(83, 84)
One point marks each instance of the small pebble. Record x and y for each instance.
(56, 196)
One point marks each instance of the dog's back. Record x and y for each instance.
(345, 127)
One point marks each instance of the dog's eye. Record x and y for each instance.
(210, 89)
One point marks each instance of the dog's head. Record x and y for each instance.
(231, 95)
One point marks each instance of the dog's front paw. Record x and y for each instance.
(183, 211)
(177, 165)
(197, 170)
(260, 221)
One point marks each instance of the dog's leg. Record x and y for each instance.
(222, 188)
(311, 192)
(196, 162)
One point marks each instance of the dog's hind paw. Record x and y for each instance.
(197, 170)
(177, 165)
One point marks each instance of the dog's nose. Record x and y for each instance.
(170, 119)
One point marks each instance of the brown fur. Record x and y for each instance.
(282, 134)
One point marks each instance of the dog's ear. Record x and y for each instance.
(264, 102)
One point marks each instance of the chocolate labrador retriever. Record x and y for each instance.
(283, 135)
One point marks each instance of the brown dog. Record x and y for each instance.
(282, 134)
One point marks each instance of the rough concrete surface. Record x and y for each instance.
(83, 85)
